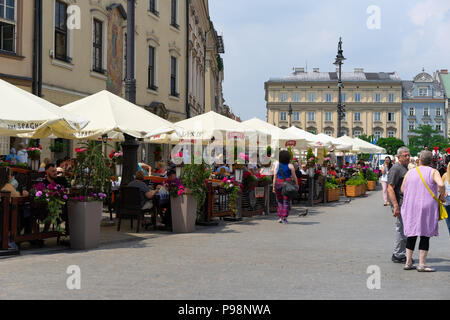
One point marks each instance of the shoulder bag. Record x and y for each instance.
(289, 188)
(442, 212)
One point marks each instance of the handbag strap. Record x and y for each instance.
(428, 188)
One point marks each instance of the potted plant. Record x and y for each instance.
(117, 158)
(233, 189)
(92, 180)
(263, 180)
(52, 197)
(187, 203)
(372, 178)
(333, 191)
(311, 158)
(250, 181)
(266, 163)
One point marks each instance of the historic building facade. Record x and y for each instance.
(214, 72)
(198, 27)
(423, 104)
(443, 77)
(16, 50)
(308, 100)
(88, 54)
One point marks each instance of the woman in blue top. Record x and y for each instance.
(283, 171)
(145, 168)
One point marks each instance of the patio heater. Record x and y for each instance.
(239, 172)
(130, 146)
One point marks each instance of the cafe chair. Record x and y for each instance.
(129, 207)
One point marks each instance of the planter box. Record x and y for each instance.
(353, 191)
(333, 195)
(371, 185)
(184, 213)
(84, 224)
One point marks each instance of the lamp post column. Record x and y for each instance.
(130, 146)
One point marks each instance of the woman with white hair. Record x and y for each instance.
(420, 209)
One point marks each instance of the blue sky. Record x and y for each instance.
(267, 38)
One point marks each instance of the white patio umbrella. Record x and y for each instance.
(114, 116)
(373, 147)
(337, 145)
(24, 114)
(361, 146)
(315, 141)
(282, 137)
(204, 127)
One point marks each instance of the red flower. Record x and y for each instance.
(111, 155)
(436, 149)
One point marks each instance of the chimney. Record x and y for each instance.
(316, 70)
(299, 70)
(444, 71)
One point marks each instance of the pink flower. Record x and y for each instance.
(39, 193)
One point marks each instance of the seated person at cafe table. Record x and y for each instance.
(146, 193)
(145, 168)
(52, 176)
(5, 183)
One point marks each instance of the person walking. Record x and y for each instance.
(384, 178)
(284, 171)
(446, 180)
(395, 180)
(420, 209)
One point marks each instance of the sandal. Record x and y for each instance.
(425, 269)
(409, 267)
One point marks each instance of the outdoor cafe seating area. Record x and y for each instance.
(184, 195)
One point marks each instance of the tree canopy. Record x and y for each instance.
(425, 136)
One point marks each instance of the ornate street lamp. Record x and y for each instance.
(340, 107)
(290, 115)
(130, 146)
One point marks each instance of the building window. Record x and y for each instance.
(328, 116)
(282, 116)
(439, 127)
(377, 134)
(344, 116)
(173, 77)
(357, 133)
(311, 97)
(391, 97)
(174, 14)
(423, 92)
(357, 116)
(412, 111)
(377, 97)
(357, 97)
(391, 134)
(311, 116)
(343, 97)
(438, 112)
(426, 112)
(61, 50)
(296, 97)
(283, 97)
(296, 116)
(98, 47)
(391, 116)
(377, 116)
(329, 97)
(152, 7)
(152, 68)
(7, 25)
(411, 126)
(329, 133)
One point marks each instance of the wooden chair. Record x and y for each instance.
(129, 206)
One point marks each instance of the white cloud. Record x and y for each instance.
(422, 12)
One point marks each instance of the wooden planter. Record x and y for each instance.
(333, 195)
(353, 191)
(371, 185)
(363, 189)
